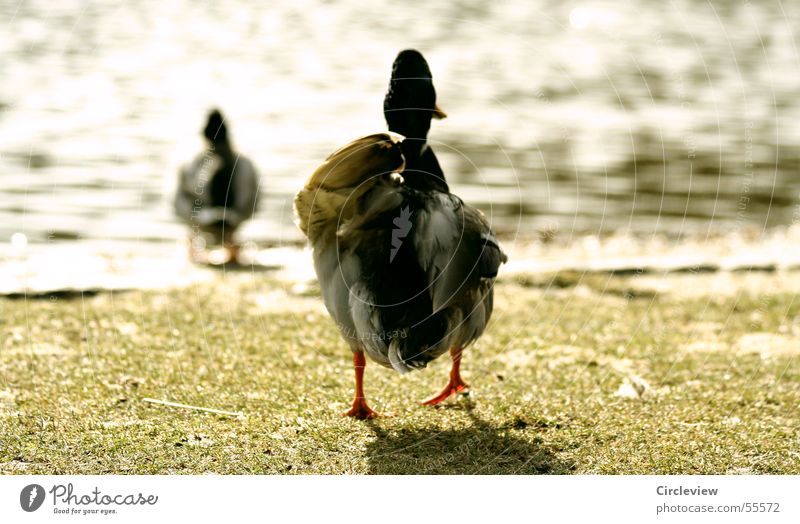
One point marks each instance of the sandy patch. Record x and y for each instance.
(8, 404)
(768, 345)
(565, 355)
(517, 358)
(553, 356)
(708, 346)
(704, 328)
(278, 301)
(43, 349)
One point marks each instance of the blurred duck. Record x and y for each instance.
(217, 192)
(409, 106)
(407, 274)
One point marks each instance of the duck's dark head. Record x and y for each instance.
(216, 132)
(411, 64)
(410, 102)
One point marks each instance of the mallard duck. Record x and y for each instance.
(217, 190)
(409, 106)
(406, 274)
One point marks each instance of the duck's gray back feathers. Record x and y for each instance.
(405, 274)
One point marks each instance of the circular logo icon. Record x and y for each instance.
(31, 497)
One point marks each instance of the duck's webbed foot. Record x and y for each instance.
(454, 386)
(361, 410)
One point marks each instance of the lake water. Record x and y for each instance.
(579, 117)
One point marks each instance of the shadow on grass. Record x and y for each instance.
(481, 449)
(241, 267)
(66, 294)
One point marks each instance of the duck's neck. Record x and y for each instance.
(411, 124)
(424, 181)
(223, 148)
(422, 171)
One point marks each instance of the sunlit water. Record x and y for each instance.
(587, 117)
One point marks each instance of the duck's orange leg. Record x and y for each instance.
(455, 385)
(232, 249)
(360, 409)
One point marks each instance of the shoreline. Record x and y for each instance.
(75, 268)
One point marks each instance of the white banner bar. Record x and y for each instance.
(406, 500)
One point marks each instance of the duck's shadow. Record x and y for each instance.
(480, 449)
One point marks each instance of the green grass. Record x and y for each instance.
(724, 393)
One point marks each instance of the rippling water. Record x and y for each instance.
(578, 117)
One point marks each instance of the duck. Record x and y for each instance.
(406, 273)
(409, 106)
(217, 191)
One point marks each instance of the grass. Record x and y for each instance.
(551, 385)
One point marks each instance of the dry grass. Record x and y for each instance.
(583, 377)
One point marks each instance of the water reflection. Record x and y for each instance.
(584, 117)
